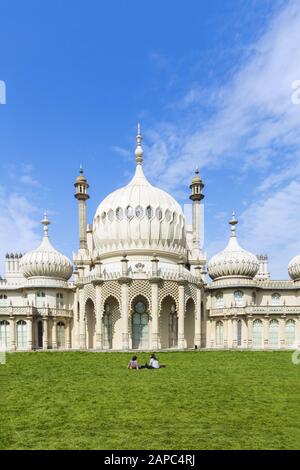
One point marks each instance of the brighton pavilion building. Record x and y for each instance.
(140, 280)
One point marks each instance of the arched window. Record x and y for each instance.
(168, 215)
(219, 334)
(60, 331)
(59, 300)
(173, 328)
(239, 332)
(273, 334)
(40, 299)
(129, 212)
(219, 300)
(110, 215)
(257, 334)
(4, 335)
(3, 300)
(107, 330)
(140, 319)
(21, 334)
(239, 298)
(149, 212)
(139, 212)
(290, 333)
(276, 299)
(159, 213)
(103, 216)
(119, 213)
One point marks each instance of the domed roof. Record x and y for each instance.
(139, 216)
(233, 261)
(45, 261)
(294, 268)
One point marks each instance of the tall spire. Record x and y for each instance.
(139, 150)
(45, 222)
(233, 221)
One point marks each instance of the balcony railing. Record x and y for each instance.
(165, 275)
(257, 310)
(35, 311)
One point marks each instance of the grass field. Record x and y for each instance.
(201, 400)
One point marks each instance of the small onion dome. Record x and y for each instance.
(294, 268)
(45, 261)
(233, 261)
(81, 178)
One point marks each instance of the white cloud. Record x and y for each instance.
(30, 181)
(121, 151)
(256, 125)
(18, 224)
(273, 226)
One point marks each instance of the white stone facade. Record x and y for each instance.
(139, 283)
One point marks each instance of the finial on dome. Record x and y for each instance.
(80, 169)
(233, 221)
(139, 150)
(197, 170)
(45, 223)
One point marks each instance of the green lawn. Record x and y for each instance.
(201, 400)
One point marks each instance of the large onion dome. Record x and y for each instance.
(294, 268)
(139, 217)
(233, 261)
(45, 261)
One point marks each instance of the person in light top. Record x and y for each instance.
(153, 363)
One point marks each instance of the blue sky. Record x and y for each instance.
(211, 84)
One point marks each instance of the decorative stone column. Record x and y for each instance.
(282, 332)
(124, 281)
(210, 333)
(99, 314)
(29, 333)
(54, 333)
(225, 332)
(181, 313)
(229, 332)
(68, 333)
(124, 314)
(82, 327)
(244, 333)
(197, 339)
(154, 301)
(266, 332)
(250, 328)
(45, 333)
(12, 322)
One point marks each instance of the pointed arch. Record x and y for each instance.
(111, 323)
(140, 318)
(168, 323)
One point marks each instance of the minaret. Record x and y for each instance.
(233, 222)
(81, 195)
(45, 222)
(139, 149)
(196, 196)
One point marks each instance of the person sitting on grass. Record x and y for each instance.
(153, 363)
(133, 363)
